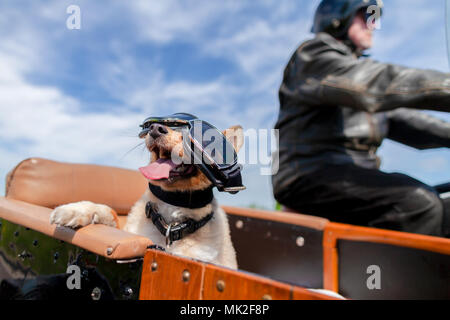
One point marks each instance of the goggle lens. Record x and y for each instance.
(214, 145)
(206, 138)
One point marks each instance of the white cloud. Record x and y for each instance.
(413, 34)
(165, 21)
(41, 121)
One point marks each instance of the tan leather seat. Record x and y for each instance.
(100, 239)
(49, 184)
(36, 186)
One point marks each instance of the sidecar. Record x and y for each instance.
(281, 255)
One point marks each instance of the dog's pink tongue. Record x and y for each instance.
(157, 170)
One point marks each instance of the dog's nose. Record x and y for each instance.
(157, 130)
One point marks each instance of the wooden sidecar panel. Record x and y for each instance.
(49, 184)
(223, 284)
(408, 266)
(169, 277)
(283, 246)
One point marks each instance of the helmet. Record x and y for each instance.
(335, 16)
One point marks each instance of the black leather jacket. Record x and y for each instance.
(336, 107)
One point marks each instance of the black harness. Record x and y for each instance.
(192, 200)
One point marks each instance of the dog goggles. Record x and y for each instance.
(206, 147)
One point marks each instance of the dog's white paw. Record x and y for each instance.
(80, 214)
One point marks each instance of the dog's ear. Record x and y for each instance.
(235, 135)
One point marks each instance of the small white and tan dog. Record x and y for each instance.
(208, 238)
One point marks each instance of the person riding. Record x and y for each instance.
(336, 107)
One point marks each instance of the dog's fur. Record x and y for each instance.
(211, 243)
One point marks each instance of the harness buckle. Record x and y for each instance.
(172, 233)
(168, 240)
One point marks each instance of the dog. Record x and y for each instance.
(208, 238)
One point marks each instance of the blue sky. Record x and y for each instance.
(79, 95)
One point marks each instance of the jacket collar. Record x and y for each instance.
(345, 46)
